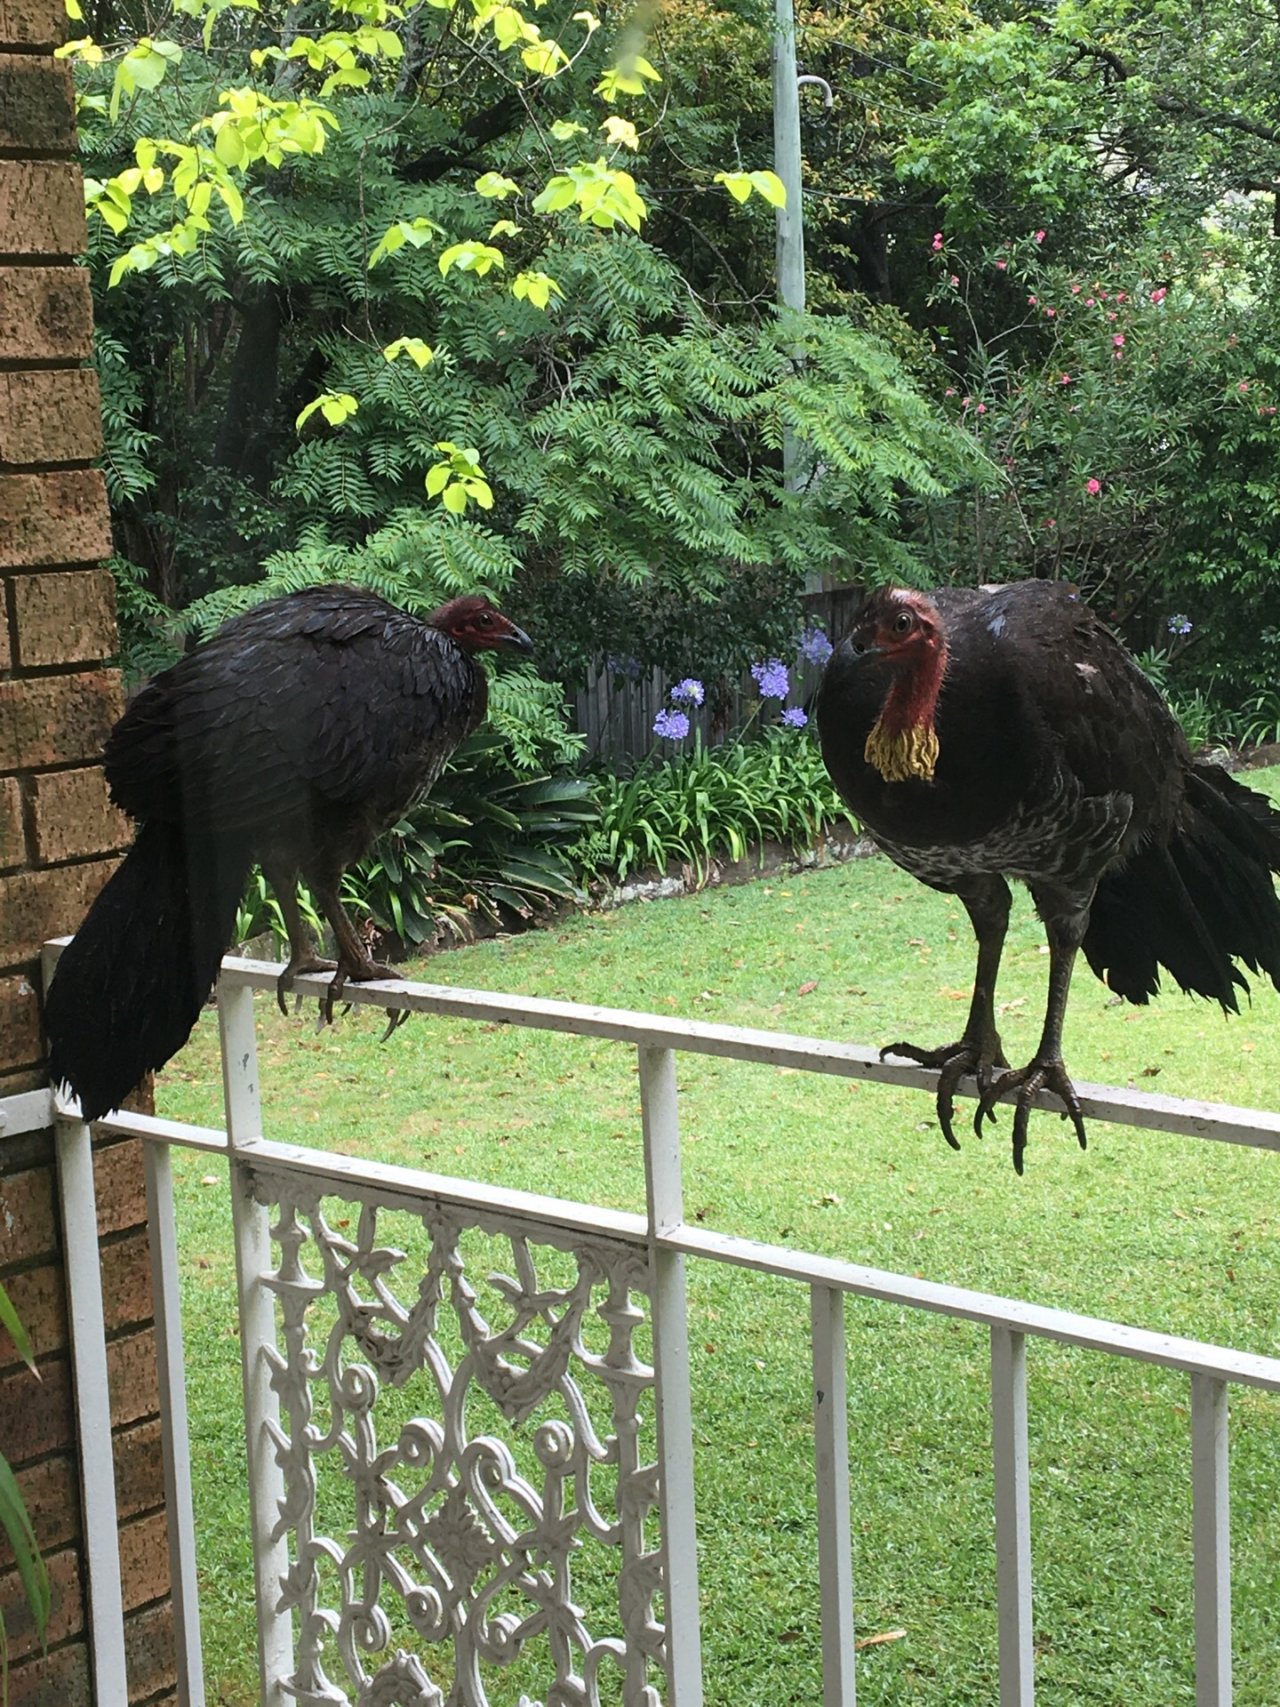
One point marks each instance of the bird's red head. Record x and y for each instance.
(477, 626)
(900, 630)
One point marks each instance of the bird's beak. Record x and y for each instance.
(514, 641)
(865, 654)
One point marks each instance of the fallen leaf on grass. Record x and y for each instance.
(878, 1641)
(808, 989)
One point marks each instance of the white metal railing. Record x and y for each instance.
(620, 1257)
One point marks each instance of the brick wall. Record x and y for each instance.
(59, 837)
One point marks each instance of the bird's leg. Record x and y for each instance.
(1065, 921)
(979, 1049)
(354, 960)
(302, 952)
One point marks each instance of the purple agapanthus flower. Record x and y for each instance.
(688, 692)
(1180, 624)
(674, 725)
(772, 678)
(815, 648)
(794, 718)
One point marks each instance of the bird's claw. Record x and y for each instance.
(395, 1019)
(1029, 1081)
(361, 972)
(298, 965)
(953, 1062)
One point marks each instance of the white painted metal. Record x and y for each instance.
(1013, 1517)
(674, 1403)
(1211, 1506)
(257, 1341)
(787, 156)
(1186, 1116)
(93, 1408)
(28, 1111)
(174, 1428)
(831, 1456)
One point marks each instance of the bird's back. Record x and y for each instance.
(327, 706)
(1040, 711)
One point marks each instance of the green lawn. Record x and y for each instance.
(1163, 1232)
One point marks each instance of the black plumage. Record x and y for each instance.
(1004, 732)
(296, 734)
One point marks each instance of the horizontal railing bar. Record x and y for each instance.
(412, 1185)
(1090, 1332)
(1110, 1104)
(1107, 1103)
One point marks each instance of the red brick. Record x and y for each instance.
(36, 111)
(6, 658)
(26, 1211)
(144, 1560)
(51, 1493)
(49, 720)
(126, 1282)
(150, 1654)
(46, 313)
(41, 208)
(37, 1416)
(66, 1614)
(45, 1679)
(53, 518)
(37, 1295)
(64, 617)
(20, 1043)
(73, 816)
(133, 1377)
(13, 841)
(33, 23)
(121, 1186)
(35, 905)
(13, 1081)
(139, 1469)
(50, 416)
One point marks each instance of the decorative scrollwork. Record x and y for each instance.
(460, 1545)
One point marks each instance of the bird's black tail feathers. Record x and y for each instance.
(131, 983)
(1198, 905)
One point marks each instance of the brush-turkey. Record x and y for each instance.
(295, 735)
(1004, 732)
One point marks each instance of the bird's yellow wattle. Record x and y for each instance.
(900, 755)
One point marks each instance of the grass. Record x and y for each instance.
(1158, 1231)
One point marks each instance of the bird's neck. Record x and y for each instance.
(903, 743)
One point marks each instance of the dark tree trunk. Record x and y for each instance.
(248, 420)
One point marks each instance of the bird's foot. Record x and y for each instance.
(953, 1061)
(298, 965)
(1029, 1081)
(361, 971)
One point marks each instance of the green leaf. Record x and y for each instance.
(414, 348)
(10, 1322)
(493, 184)
(454, 498)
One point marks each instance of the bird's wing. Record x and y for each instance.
(337, 699)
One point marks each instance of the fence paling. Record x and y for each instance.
(669, 1240)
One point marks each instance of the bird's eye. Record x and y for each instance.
(484, 619)
(904, 622)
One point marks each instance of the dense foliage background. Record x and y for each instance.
(1040, 341)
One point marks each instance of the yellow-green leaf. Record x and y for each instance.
(414, 348)
(493, 184)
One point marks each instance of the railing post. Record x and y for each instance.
(252, 1225)
(1013, 1516)
(175, 1434)
(831, 1453)
(1211, 1524)
(93, 1407)
(665, 1193)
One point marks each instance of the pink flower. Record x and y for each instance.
(1267, 409)
(965, 402)
(1032, 300)
(1038, 236)
(950, 391)
(1122, 296)
(982, 408)
(1093, 487)
(1001, 265)
(1243, 386)
(1065, 380)
(1050, 312)
(955, 280)
(1051, 523)
(1159, 295)
(1075, 290)
(1088, 302)
(1117, 338)
(937, 241)
(1111, 315)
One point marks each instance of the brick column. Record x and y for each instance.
(58, 840)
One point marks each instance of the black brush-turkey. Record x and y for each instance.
(1004, 732)
(296, 734)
